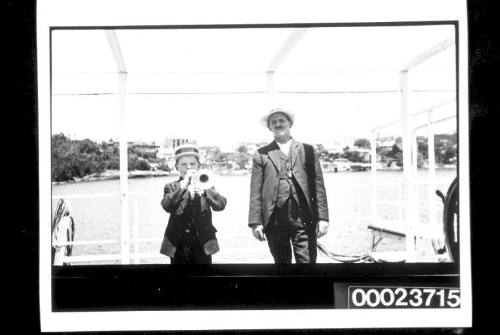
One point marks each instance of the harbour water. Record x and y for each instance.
(95, 208)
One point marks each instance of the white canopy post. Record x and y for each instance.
(125, 233)
(407, 175)
(114, 44)
(270, 89)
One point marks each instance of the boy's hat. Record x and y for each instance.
(187, 150)
(265, 119)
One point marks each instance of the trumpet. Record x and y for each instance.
(201, 179)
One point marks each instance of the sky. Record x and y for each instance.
(211, 84)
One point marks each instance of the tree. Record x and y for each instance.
(320, 147)
(395, 150)
(88, 147)
(242, 160)
(75, 159)
(446, 148)
(135, 163)
(449, 155)
(423, 147)
(383, 152)
(354, 156)
(242, 148)
(362, 143)
(396, 154)
(219, 156)
(113, 163)
(164, 167)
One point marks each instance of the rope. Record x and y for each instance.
(62, 210)
(364, 258)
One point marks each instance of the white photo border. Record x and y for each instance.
(161, 13)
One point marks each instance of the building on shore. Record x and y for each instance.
(144, 149)
(174, 142)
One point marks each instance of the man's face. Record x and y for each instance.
(187, 163)
(280, 125)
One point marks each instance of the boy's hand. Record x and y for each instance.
(184, 182)
(187, 178)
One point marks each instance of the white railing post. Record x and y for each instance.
(415, 193)
(373, 161)
(400, 200)
(136, 231)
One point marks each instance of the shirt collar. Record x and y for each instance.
(285, 147)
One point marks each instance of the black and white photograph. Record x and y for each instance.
(229, 98)
(263, 147)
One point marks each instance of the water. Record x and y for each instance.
(349, 200)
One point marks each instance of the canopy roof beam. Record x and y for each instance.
(114, 45)
(429, 54)
(286, 48)
(432, 122)
(422, 111)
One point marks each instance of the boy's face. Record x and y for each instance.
(187, 163)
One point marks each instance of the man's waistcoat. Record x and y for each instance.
(265, 182)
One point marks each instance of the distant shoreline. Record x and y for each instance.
(115, 174)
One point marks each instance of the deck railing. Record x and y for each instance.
(133, 240)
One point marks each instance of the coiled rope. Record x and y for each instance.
(62, 211)
(364, 258)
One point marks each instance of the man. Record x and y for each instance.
(288, 204)
(190, 236)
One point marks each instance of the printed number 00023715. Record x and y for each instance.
(403, 297)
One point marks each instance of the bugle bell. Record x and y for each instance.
(203, 179)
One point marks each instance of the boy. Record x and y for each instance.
(190, 235)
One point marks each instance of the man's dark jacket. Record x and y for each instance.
(265, 181)
(175, 201)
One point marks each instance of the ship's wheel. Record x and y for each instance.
(451, 220)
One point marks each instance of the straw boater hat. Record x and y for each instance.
(265, 120)
(187, 150)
